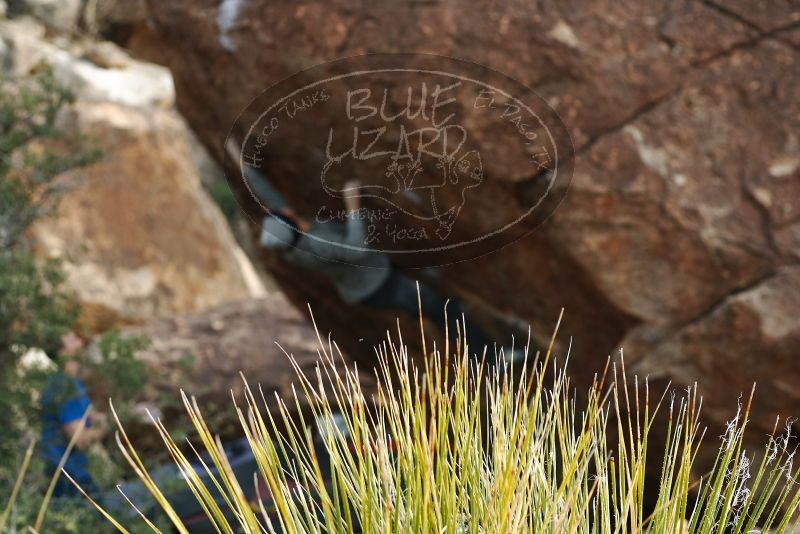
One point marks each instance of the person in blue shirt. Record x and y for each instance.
(64, 403)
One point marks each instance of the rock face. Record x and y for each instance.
(79, 16)
(680, 236)
(751, 336)
(59, 15)
(242, 336)
(138, 235)
(94, 71)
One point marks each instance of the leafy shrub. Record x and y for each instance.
(36, 309)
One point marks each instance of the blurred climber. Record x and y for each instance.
(67, 415)
(336, 250)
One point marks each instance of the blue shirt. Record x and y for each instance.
(64, 400)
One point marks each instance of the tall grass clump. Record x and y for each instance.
(450, 447)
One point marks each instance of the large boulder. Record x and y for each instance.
(137, 234)
(93, 71)
(681, 228)
(58, 15)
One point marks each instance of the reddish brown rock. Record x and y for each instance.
(684, 116)
(750, 337)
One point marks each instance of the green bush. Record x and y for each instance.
(36, 309)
